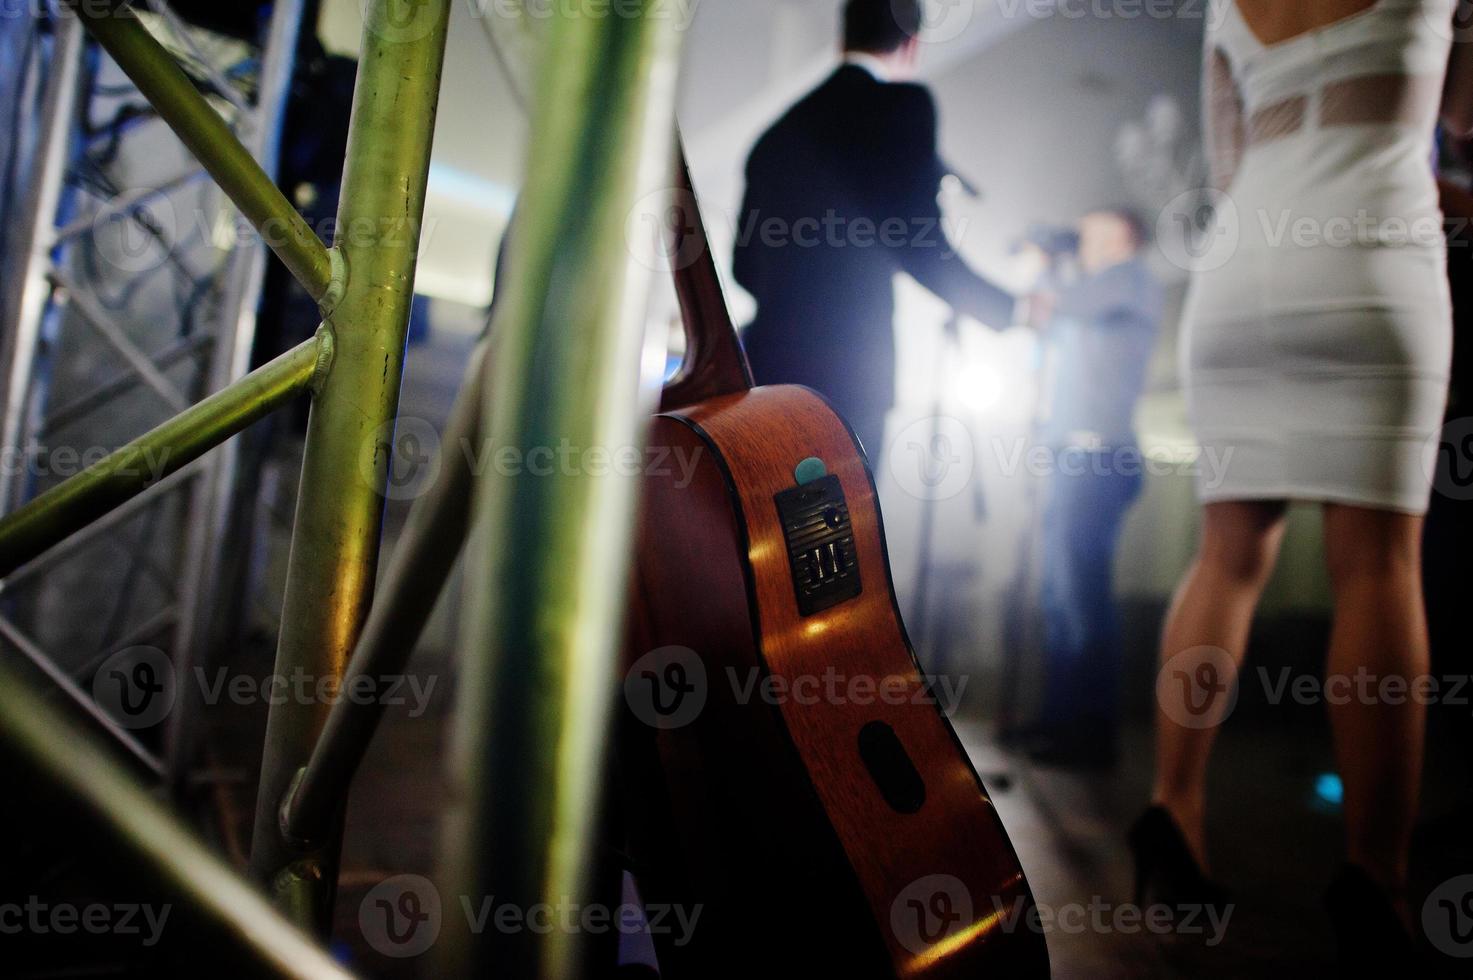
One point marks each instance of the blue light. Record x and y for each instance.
(1329, 789)
(471, 190)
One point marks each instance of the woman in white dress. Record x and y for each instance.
(1317, 347)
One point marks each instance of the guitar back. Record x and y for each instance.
(787, 770)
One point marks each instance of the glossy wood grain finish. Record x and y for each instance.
(715, 363)
(781, 783)
(720, 813)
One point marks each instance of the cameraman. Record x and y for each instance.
(1099, 307)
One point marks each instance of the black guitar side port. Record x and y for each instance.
(890, 767)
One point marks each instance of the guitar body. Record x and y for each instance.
(785, 768)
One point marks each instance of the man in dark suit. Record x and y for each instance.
(841, 195)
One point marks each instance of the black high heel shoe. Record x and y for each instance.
(1166, 873)
(1369, 934)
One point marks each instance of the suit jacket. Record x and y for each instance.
(841, 195)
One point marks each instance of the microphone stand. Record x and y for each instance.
(920, 618)
(1020, 616)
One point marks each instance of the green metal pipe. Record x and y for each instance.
(84, 783)
(334, 554)
(109, 522)
(548, 556)
(128, 471)
(412, 582)
(209, 138)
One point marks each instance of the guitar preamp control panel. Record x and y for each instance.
(820, 542)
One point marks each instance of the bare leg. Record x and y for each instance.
(1213, 608)
(1380, 633)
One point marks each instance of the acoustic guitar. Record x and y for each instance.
(795, 802)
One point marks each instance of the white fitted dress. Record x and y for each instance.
(1318, 331)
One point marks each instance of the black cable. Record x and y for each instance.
(90, 175)
(126, 116)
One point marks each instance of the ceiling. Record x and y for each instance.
(743, 61)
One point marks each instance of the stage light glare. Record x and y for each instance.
(980, 388)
